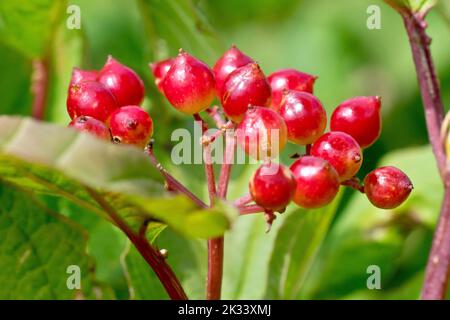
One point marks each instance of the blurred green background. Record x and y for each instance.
(320, 254)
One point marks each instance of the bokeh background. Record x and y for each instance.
(319, 254)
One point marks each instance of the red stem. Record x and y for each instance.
(209, 166)
(250, 209)
(354, 183)
(243, 200)
(215, 246)
(437, 270)
(39, 87)
(308, 149)
(214, 113)
(172, 183)
(429, 86)
(152, 256)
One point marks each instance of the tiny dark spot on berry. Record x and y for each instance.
(132, 124)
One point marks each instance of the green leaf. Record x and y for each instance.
(296, 246)
(412, 5)
(14, 82)
(61, 161)
(27, 25)
(67, 52)
(179, 24)
(36, 249)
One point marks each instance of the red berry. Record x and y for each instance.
(123, 82)
(304, 115)
(360, 117)
(245, 86)
(90, 99)
(92, 126)
(80, 75)
(228, 62)
(289, 79)
(317, 182)
(341, 151)
(272, 186)
(131, 125)
(387, 187)
(189, 84)
(159, 70)
(262, 133)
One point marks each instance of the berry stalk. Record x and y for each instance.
(172, 183)
(39, 87)
(209, 167)
(215, 246)
(437, 270)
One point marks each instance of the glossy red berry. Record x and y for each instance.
(289, 79)
(92, 126)
(189, 84)
(360, 117)
(272, 186)
(232, 59)
(304, 115)
(243, 87)
(131, 125)
(90, 99)
(317, 182)
(387, 187)
(262, 133)
(126, 86)
(159, 70)
(341, 151)
(80, 75)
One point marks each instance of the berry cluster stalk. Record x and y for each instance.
(437, 270)
(215, 246)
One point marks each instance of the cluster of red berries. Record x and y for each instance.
(106, 104)
(257, 105)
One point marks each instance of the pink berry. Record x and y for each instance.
(159, 70)
(232, 59)
(304, 115)
(90, 99)
(131, 125)
(92, 126)
(123, 82)
(262, 133)
(341, 151)
(387, 187)
(245, 86)
(289, 79)
(80, 75)
(317, 182)
(189, 84)
(272, 186)
(360, 117)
